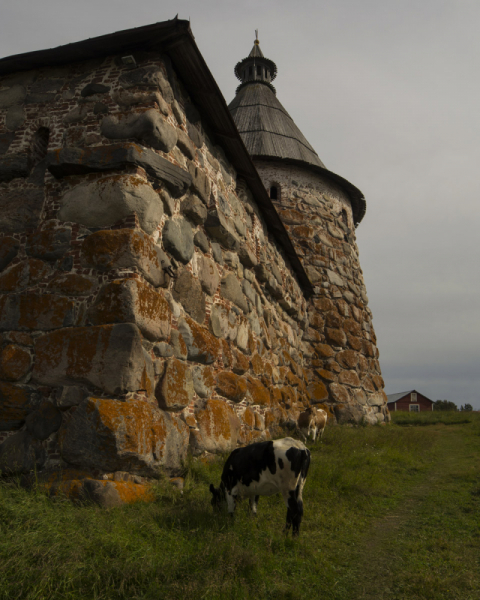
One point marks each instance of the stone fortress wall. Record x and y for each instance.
(145, 308)
(343, 363)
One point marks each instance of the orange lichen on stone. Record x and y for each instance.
(133, 301)
(257, 364)
(231, 386)
(248, 417)
(118, 248)
(317, 392)
(240, 362)
(352, 327)
(349, 378)
(337, 337)
(175, 391)
(14, 362)
(218, 426)
(324, 350)
(204, 347)
(322, 304)
(326, 375)
(347, 358)
(258, 393)
(354, 342)
(226, 354)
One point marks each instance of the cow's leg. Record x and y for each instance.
(314, 433)
(253, 505)
(231, 502)
(294, 510)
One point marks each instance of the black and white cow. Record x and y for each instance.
(265, 469)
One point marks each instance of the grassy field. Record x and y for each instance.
(390, 513)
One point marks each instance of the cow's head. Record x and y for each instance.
(218, 496)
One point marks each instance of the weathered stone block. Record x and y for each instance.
(208, 275)
(44, 421)
(175, 390)
(71, 284)
(177, 237)
(317, 392)
(148, 77)
(15, 362)
(201, 241)
(124, 248)
(247, 256)
(347, 358)
(20, 209)
(220, 229)
(132, 301)
(349, 378)
(103, 202)
(19, 276)
(49, 243)
(336, 337)
(20, 453)
(8, 250)
(223, 322)
(15, 94)
(230, 290)
(185, 144)
(202, 346)
(15, 404)
(148, 127)
(128, 436)
(231, 386)
(203, 380)
(194, 210)
(35, 311)
(348, 414)
(63, 162)
(13, 166)
(257, 392)
(339, 393)
(109, 357)
(218, 428)
(109, 494)
(188, 291)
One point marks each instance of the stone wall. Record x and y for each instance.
(318, 216)
(145, 308)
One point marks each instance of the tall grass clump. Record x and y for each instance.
(447, 417)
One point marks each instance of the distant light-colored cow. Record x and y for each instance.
(312, 422)
(265, 469)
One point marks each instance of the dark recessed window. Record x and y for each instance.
(39, 146)
(259, 71)
(250, 71)
(274, 192)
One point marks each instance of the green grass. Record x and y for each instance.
(447, 417)
(390, 513)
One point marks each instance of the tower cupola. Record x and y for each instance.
(256, 68)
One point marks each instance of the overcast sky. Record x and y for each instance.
(387, 92)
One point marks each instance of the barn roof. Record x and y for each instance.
(268, 131)
(399, 396)
(175, 39)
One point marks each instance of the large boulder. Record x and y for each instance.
(188, 292)
(16, 402)
(131, 436)
(218, 428)
(148, 127)
(175, 391)
(125, 248)
(202, 346)
(177, 237)
(20, 209)
(35, 311)
(21, 453)
(103, 202)
(133, 301)
(108, 357)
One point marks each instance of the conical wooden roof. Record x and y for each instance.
(266, 128)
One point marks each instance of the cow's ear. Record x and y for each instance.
(212, 489)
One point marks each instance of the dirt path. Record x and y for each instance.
(379, 557)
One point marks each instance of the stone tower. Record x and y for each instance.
(320, 210)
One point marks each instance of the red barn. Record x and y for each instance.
(411, 401)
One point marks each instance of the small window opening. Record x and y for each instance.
(259, 71)
(274, 195)
(39, 145)
(413, 397)
(414, 408)
(250, 71)
(344, 217)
